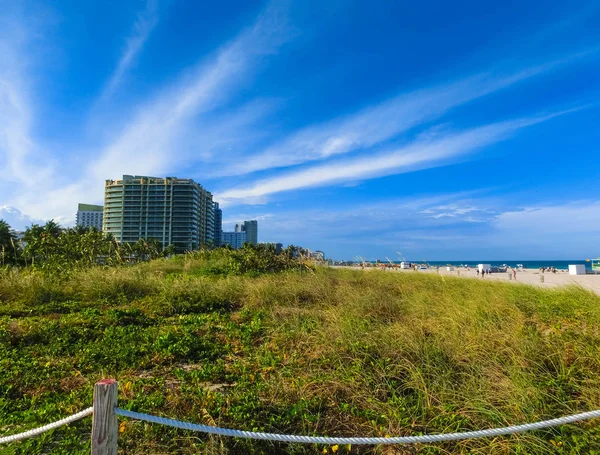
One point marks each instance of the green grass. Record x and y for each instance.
(334, 352)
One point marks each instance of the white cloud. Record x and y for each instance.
(15, 144)
(162, 134)
(402, 215)
(16, 219)
(566, 230)
(146, 145)
(482, 227)
(379, 123)
(380, 228)
(450, 210)
(552, 220)
(21, 159)
(143, 26)
(223, 134)
(425, 152)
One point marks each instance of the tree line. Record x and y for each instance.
(52, 246)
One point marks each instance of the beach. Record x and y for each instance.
(524, 276)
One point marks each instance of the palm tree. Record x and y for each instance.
(8, 241)
(6, 233)
(52, 228)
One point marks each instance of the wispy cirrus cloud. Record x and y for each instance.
(493, 225)
(17, 145)
(153, 141)
(423, 153)
(196, 126)
(142, 27)
(390, 225)
(146, 144)
(379, 123)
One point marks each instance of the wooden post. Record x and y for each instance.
(105, 426)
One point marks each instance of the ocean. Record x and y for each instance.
(559, 265)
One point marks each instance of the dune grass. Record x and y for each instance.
(335, 352)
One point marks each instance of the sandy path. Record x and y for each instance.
(527, 276)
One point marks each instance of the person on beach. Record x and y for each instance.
(515, 274)
(477, 272)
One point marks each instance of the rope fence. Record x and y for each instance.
(50, 426)
(105, 427)
(357, 440)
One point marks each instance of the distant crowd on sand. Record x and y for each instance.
(483, 272)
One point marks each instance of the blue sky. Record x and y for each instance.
(464, 130)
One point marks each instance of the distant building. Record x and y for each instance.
(218, 225)
(89, 215)
(251, 230)
(177, 212)
(234, 239)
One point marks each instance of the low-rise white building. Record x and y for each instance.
(89, 215)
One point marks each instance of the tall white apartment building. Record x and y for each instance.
(177, 212)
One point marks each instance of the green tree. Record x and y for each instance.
(33, 243)
(8, 244)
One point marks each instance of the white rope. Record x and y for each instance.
(358, 440)
(50, 426)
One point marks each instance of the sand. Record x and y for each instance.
(526, 276)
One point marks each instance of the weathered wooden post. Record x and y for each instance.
(105, 425)
(542, 278)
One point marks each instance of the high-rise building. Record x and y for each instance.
(251, 230)
(89, 215)
(234, 239)
(177, 212)
(218, 225)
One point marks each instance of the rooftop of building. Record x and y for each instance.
(89, 208)
(144, 179)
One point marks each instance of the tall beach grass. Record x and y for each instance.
(334, 352)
